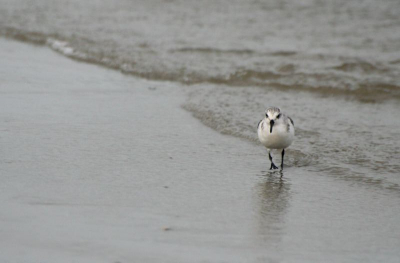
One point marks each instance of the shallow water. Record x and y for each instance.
(340, 47)
(88, 176)
(333, 67)
(333, 134)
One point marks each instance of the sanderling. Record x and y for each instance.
(275, 131)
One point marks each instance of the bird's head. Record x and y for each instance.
(272, 114)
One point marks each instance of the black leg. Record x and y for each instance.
(283, 154)
(273, 166)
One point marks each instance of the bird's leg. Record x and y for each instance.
(283, 154)
(273, 166)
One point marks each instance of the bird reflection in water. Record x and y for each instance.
(272, 202)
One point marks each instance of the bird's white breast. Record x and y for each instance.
(281, 137)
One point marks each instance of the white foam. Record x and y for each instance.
(60, 46)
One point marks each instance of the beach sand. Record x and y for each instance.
(97, 166)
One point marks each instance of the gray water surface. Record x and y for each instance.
(345, 47)
(100, 166)
(94, 170)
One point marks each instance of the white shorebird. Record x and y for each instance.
(275, 131)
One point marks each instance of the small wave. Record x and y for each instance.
(283, 53)
(286, 76)
(60, 46)
(24, 36)
(246, 77)
(363, 66)
(53, 41)
(394, 62)
(286, 69)
(363, 92)
(213, 50)
(352, 176)
(209, 50)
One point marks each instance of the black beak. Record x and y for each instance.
(271, 124)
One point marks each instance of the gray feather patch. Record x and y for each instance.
(258, 125)
(291, 120)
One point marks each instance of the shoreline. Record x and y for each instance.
(100, 166)
(365, 93)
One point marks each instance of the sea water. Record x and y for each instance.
(332, 66)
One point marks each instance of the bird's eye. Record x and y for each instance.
(279, 115)
(266, 115)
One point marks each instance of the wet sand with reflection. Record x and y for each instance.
(88, 176)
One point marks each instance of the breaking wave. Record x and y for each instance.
(355, 79)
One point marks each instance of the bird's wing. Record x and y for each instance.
(291, 121)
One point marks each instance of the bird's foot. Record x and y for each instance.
(273, 166)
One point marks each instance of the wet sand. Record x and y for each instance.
(97, 166)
